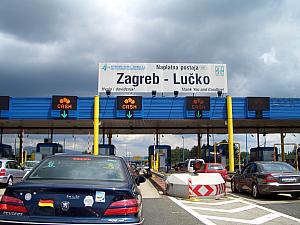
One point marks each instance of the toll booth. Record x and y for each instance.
(46, 149)
(208, 154)
(107, 149)
(163, 152)
(6, 151)
(263, 154)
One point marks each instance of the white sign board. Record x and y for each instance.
(162, 77)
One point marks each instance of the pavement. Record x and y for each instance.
(159, 182)
(236, 208)
(149, 191)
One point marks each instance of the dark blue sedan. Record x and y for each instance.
(80, 189)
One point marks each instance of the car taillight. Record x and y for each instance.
(123, 207)
(2, 172)
(12, 204)
(269, 179)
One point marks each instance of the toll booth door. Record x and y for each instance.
(162, 162)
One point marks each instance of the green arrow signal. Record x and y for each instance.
(64, 114)
(129, 114)
(198, 114)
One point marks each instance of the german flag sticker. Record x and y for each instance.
(46, 203)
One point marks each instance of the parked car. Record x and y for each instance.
(189, 164)
(11, 172)
(261, 178)
(29, 165)
(73, 189)
(214, 168)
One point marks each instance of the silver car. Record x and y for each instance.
(262, 178)
(10, 172)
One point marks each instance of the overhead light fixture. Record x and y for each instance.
(108, 92)
(176, 93)
(219, 93)
(153, 93)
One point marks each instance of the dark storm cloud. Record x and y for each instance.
(34, 20)
(54, 46)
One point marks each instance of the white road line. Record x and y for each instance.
(192, 212)
(240, 209)
(265, 218)
(207, 203)
(259, 220)
(267, 209)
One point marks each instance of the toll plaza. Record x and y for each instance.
(154, 98)
(163, 110)
(149, 115)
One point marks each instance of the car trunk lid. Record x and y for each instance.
(286, 178)
(67, 200)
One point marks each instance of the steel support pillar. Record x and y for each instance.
(96, 124)
(257, 137)
(230, 133)
(20, 154)
(282, 136)
(51, 135)
(199, 137)
(109, 138)
(207, 142)
(103, 136)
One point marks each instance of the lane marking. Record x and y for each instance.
(265, 218)
(192, 212)
(215, 204)
(267, 209)
(259, 220)
(249, 205)
(240, 209)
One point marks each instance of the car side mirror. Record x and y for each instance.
(139, 180)
(22, 168)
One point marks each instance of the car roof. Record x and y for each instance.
(85, 156)
(268, 162)
(6, 160)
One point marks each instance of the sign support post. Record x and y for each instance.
(230, 133)
(96, 124)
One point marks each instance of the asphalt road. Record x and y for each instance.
(160, 209)
(164, 211)
(281, 203)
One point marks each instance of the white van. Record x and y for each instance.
(189, 164)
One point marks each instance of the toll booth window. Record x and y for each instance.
(45, 151)
(268, 155)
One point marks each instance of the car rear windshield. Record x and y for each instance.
(80, 168)
(277, 167)
(215, 167)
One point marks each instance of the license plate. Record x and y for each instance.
(289, 180)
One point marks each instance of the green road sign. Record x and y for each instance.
(129, 114)
(64, 114)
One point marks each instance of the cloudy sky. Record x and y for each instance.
(54, 47)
